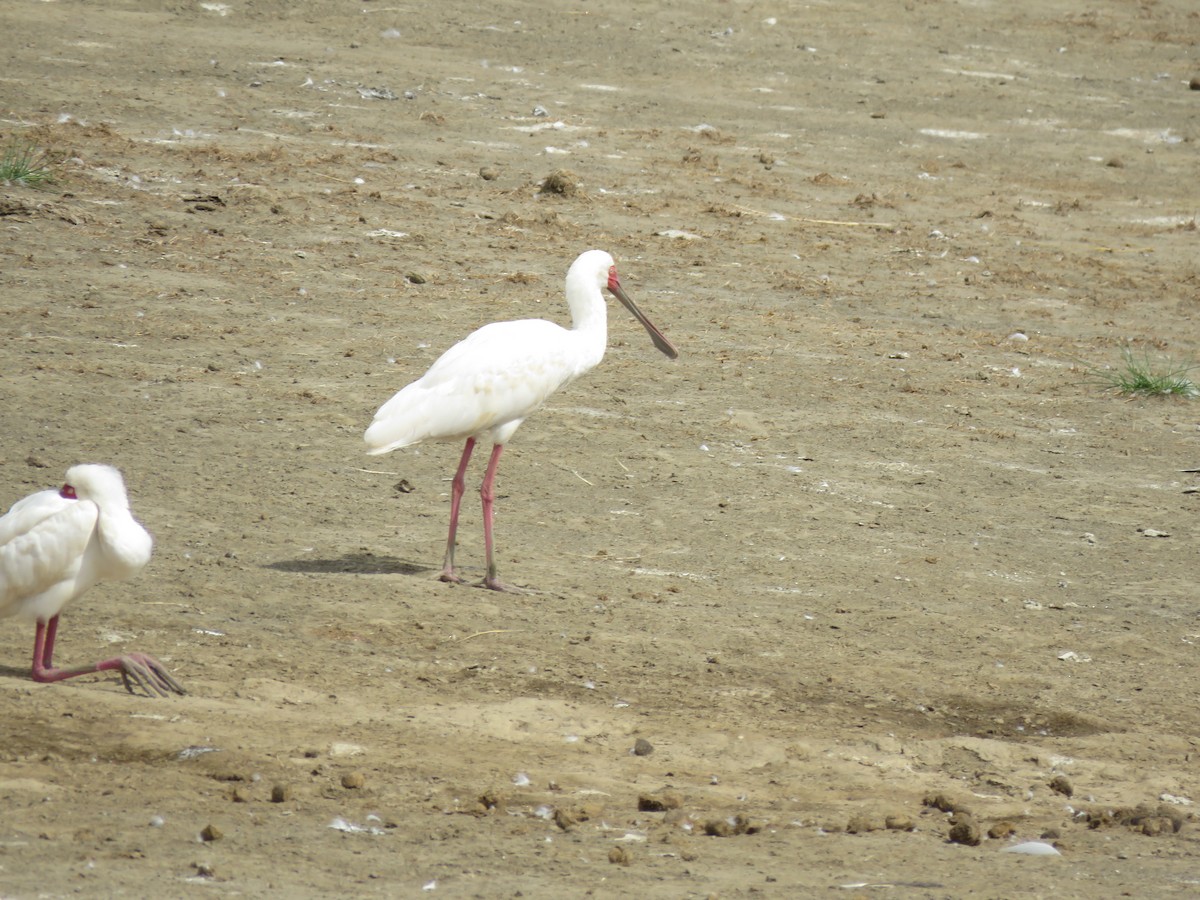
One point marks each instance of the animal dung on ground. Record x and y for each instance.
(562, 182)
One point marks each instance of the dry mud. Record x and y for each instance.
(878, 536)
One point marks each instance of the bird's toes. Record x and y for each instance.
(149, 674)
(495, 584)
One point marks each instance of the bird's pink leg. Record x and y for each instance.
(43, 646)
(487, 492)
(456, 495)
(137, 669)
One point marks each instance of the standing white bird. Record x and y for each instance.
(488, 383)
(54, 545)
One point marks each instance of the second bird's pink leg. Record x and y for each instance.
(456, 495)
(487, 492)
(137, 669)
(43, 648)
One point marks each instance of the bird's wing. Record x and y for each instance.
(43, 544)
(500, 373)
(26, 513)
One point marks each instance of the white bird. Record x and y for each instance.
(54, 545)
(488, 383)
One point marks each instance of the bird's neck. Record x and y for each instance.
(589, 313)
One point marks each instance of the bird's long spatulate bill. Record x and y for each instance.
(660, 340)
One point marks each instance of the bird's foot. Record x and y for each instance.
(449, 577)
(139, 670)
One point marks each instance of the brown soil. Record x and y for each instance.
(877, 538)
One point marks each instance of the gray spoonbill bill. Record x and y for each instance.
(486, 385)
(56, 544)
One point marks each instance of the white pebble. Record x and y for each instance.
(1033, 848)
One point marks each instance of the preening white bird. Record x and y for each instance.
(54, 545)
(488, 383)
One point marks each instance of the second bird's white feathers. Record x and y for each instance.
(54, 548)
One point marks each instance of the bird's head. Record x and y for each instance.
(99, 483)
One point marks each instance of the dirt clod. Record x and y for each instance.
(659, 802)
(562, 182)
(945, 804)
(1001, 830)
(620, 856)
(861, 824)
(729, 826)
(1060, 785)
(965, 830)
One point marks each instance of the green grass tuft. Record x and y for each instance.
(1139, 376)
(25, 164)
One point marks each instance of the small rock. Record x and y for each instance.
(1050, 834)
(489, 173)
(211, 833)
(1194, 84)
(642, 747)
(241, 795)
(899, 822)
(204, 870)
(415, 278)
(353, 780)
(1060, 785)
(281, 793)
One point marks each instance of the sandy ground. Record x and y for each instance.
(878, 535)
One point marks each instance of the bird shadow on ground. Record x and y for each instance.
(363, 563)
(21, 672)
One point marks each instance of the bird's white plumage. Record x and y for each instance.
(488, 383)
(54, 548)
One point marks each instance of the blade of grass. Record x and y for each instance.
(1139, 376)
(25, 164)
